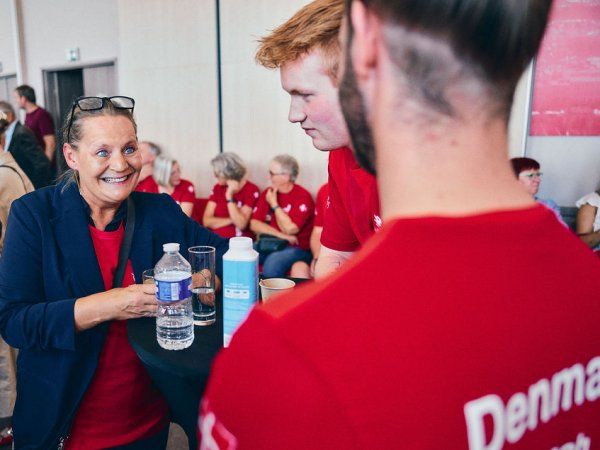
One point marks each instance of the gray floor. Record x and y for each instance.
(177, 438)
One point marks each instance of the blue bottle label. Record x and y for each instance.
(240, 293)
(173, 291)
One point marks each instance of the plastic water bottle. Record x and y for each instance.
(240, 284)
(174, 321)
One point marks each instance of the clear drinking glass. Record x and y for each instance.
(202, 259)
(148, 276)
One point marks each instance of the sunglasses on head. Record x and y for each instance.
(97, 103)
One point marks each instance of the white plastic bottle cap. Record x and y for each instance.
(171, 247)
(240, 243)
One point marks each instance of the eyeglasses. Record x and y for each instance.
(532, 175)
(97, 103)
(272, 174)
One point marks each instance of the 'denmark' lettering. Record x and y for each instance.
(544, 400)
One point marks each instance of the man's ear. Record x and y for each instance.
(71, 156)
(364, 29)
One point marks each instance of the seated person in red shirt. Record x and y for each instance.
(166, 179)
(149, 151)
(232, 199)
(285, 210)
(301, 269)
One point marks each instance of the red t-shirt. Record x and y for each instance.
(247, 196)
(183, 192)
(41, 123)
(321, 205)
(298, 204)
(121, 405)
(353, 213)
(436, 322)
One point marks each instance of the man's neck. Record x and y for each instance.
(446, 172)
(30, 107)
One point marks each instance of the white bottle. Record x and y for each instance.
(174, 321)
(240, 284)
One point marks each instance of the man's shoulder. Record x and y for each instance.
(250, 187)
(301, 192)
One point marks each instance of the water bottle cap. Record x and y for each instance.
(171, 247)
(240, 243)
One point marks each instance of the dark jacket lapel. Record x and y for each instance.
(74, 240)
(142, 246)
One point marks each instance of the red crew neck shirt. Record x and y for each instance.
(247, 196)
(321, 205)
(183, 192)
(476, 333)
(298, 204)
(121, 405)
(353, 209)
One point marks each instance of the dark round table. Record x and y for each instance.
(180, 375)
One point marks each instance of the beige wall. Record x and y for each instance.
(7, 53)
(166, 59)
(167, 62)
(255, 108)
(51, 27)
(517, 127)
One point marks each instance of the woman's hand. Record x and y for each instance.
(271, 197)
(293, 240)
(233, 187)
(137, 300)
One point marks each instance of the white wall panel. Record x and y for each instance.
(7, 49)
(255, 107)
(168, 63)
(571, 166)
(51, 27)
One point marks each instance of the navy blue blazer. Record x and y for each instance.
(48, 261)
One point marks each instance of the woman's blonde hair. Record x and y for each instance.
(75, 116)
(162, 170)
(229, 166)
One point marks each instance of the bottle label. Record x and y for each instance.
(240, 293)
(173, 291)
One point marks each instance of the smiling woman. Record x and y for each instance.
(65, 295)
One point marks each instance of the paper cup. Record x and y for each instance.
(273, 286)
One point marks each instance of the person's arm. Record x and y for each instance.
(330, 260)
(132, 302)
(315, 248)
(284, 222)
(239, 216)
(258, 227)
(210, 221)
(187, 208)
(50, 145)
(585, 225)
(319, 420)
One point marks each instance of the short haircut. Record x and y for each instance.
(521, 164)
(289, 165)
(26, 91)
(7, 108)
(161, 172)
(439, 44)
(229, 166)
(315, 26)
